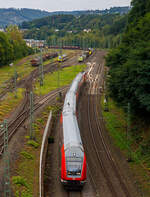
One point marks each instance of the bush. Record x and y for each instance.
(26, 155)
(18, 180)
(33, 143)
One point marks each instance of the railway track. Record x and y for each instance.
(24, 110)
(115, 184)
(24, 114)
(51, 67)
(74, 194)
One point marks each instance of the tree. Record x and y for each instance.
(130, 62)
(6, 49)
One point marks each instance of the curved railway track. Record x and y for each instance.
(24, 110)
(24, 114)
(51, 67)
(115, 182)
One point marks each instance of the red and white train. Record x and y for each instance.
(73, 160)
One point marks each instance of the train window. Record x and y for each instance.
(73, 169)
(74, 166)
(74, 159)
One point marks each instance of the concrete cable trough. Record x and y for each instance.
(43, 154)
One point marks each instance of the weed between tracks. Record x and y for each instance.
(66, 75)
(131, 143)
(23, 68)
(7, 72)
(25, 179)
(10, 102)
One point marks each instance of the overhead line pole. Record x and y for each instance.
(7, 190)
(41, 69)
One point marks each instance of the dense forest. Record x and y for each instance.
(129, 63)
(17, 16)
(12, 46)
(101, 31)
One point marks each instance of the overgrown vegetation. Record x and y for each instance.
(87, 30)
(130, 63)
(9, 103)
(134, 143)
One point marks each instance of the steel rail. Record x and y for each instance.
(25, 115)
(104, 171)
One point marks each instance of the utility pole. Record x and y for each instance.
(41, 69)
(15, 79)
(60, 45)
(32, 133)
(128, 130)
(58, 82)
(7, 190)
(15, 82)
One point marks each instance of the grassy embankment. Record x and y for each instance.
(25, 177)
(130, 144)
(51, 80)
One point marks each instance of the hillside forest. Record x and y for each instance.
(86, 30)
(129, 63)
(97, 31)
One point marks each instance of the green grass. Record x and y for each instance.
(10, 102)
(23, 70)
(116, 125)
(7, 72)
(139, 152)
(66, 75)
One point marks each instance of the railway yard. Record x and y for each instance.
(108, 174)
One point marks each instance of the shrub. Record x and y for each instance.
(33, 143)
(26, 155)
(18, 180)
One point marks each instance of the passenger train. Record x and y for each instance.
(73, 160)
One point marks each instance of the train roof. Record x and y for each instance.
(70, 125)
(74, 85)
(70, 99)
(71, 131)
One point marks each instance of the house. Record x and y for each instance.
(35, 43)
(87, 30)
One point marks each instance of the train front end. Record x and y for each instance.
(73, 168)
